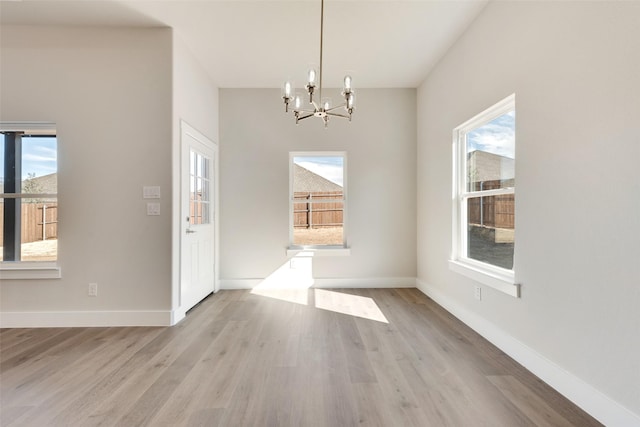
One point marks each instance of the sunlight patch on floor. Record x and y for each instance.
(352, 305)
(290, 282)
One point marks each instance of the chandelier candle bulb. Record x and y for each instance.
(350, 102)
(347, 84)
(311, 84)
(286, 95)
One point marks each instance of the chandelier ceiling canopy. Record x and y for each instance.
(322, 109)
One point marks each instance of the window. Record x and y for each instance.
(484, 202)
(199, 189)
(28, 200)
(317, 202)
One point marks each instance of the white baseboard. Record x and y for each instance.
(377, 282)
(66, 319)
(235, 284)
(177, 315)
(333, 283)
(591, 400)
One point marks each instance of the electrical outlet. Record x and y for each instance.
(477, 290)
(93, 290)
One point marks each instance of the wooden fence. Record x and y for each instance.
(310, 214)
(39, 221)
(492, 211)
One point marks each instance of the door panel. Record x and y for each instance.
(197, 247)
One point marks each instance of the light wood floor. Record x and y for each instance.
(241, 359)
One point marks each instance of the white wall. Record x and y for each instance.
(109, 93)
(256, 138)
(195, 101)
(195, 96)
(575, 68)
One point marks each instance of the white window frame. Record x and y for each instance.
(16, 270)
(495, 277)
(333, 250)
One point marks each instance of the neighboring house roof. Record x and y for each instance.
(308, 182)
(47, 184)
(484, 166)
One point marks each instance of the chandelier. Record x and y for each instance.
(324, 109)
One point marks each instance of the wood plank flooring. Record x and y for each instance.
(383, 357)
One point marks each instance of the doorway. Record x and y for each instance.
(198, 217)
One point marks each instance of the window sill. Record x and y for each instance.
(503, 281)
(29, 270)
(318, 251)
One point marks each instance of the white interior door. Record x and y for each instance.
(198, 216)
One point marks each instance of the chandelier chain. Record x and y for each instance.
(321, 38)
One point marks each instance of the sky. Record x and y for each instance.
(497, 137)
(329, 167)
(39, 156)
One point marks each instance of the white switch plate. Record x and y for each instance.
(153, 208)
(151, 192)
(477, 290)
(93, 290)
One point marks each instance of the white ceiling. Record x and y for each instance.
(262, 43)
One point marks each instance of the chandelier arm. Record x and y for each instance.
(305, 117)
(337, 115)
(305, 111)
(336, 107)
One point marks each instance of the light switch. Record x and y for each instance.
(153, 208)
(151, 192)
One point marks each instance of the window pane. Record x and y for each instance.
(205, 191)
(39, 160)
(318, 223)
(198, 219)
(38, 231)
(1, 163)
(204, 173)
(490, 229)
(36, 218)
(204, 202)
(199, 188)
(205, 213)
(318, 195)
(490, 152)
(318, 236)
(318, 174)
